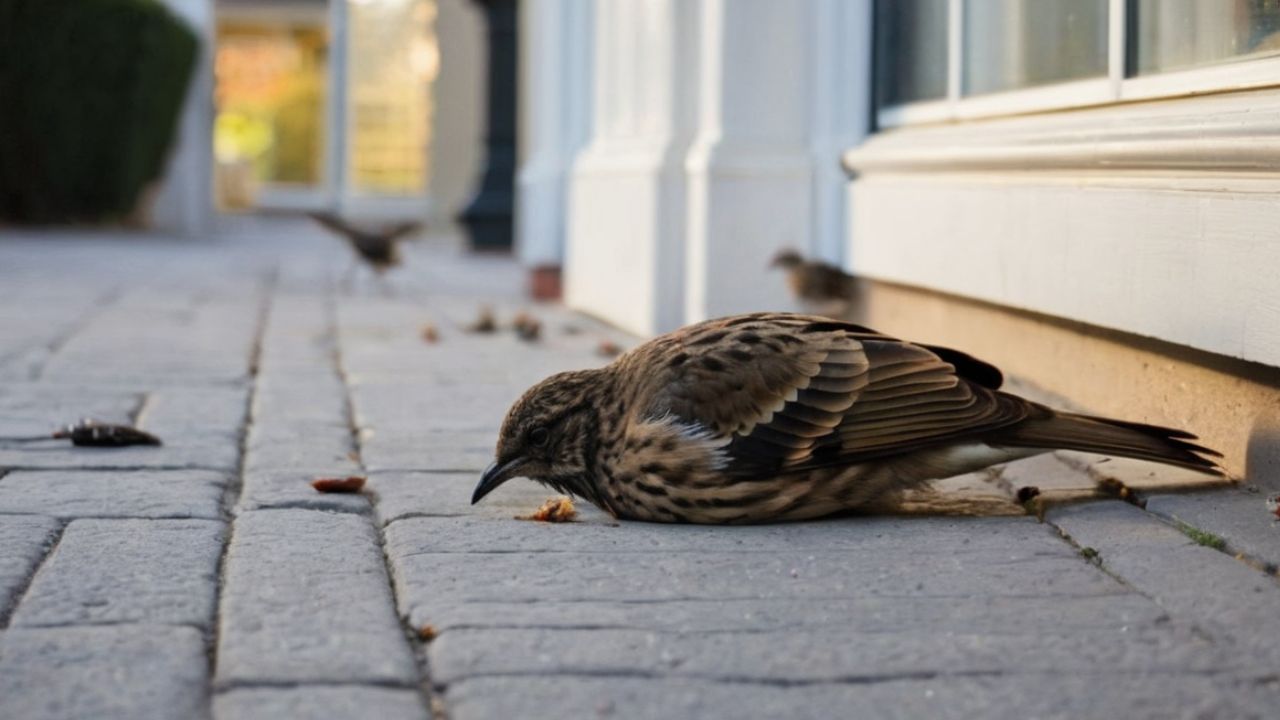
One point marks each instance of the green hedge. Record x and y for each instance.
(90, 94)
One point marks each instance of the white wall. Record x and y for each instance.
(1154, 218)
(624, 259)
(715, 139)
(183, 204)
(555, 89)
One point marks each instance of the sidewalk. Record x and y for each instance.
(207, 578)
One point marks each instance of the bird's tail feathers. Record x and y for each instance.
(1069, 431)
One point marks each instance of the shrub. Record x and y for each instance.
(90, 94)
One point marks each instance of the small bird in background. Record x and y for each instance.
(378, 247)
(822, 288)
(777, 416)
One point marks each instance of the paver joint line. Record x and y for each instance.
(432, 699)
(103, 303)
(7, 613)
(231, 492)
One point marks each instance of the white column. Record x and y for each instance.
(184, 202)
(841, 115)
(859, 82)
(557, 108)
(624, 258)
(750, 170)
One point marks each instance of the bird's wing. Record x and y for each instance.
(399, 230)
(793, 392)
(332, 222)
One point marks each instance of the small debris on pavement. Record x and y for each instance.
(1273, 505)
(485, 322)
(1120, 491)
(430, 333)
(91, 433)
(350, 484)
(427, 633)
(527, 327)
(554, 510)
(1026, 493)
(608, 348)
(571, 329)
(1035, 506)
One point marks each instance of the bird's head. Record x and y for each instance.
(786, 258)
(548, 434)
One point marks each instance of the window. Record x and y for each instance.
(1172, 34)
(939, 60)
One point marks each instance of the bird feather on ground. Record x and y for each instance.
(777, 416)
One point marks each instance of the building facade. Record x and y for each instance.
(1084, 192)
(301, 105)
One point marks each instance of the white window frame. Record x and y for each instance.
(1116, 86)
(1149, 208)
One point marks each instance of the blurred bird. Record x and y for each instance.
(376, 246)
(777, 416)
(822, 288)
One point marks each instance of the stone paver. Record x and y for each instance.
(200, 427)
(25, 540)
(307, 600)
(126, 672)
(1233, 602)
(261, 370)
(1057, 696)
(311, 702)
(114, 493)
(1239, 515)
(417, 494)
(279, 489)
(813, 656)
(122, 571)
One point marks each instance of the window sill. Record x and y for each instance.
(1154, 218)
(1231, 132)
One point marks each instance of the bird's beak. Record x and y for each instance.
(494, 475)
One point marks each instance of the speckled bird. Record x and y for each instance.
(776, 416)
(822, 288)
(377, 247)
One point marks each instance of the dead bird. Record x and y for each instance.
(823, 288)
(775, 416)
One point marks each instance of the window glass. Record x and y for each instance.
(1011, 44)
(393, 61)
(270, 85)
(1172, 34)
(911, 51)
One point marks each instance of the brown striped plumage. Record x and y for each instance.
(776, 416)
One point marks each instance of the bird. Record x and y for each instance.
(822, 288)
(770, 417)
(378, 247)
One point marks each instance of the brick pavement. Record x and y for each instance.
(206, 578)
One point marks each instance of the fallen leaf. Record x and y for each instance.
(350, 484)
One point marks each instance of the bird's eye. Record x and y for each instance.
(539, 436)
